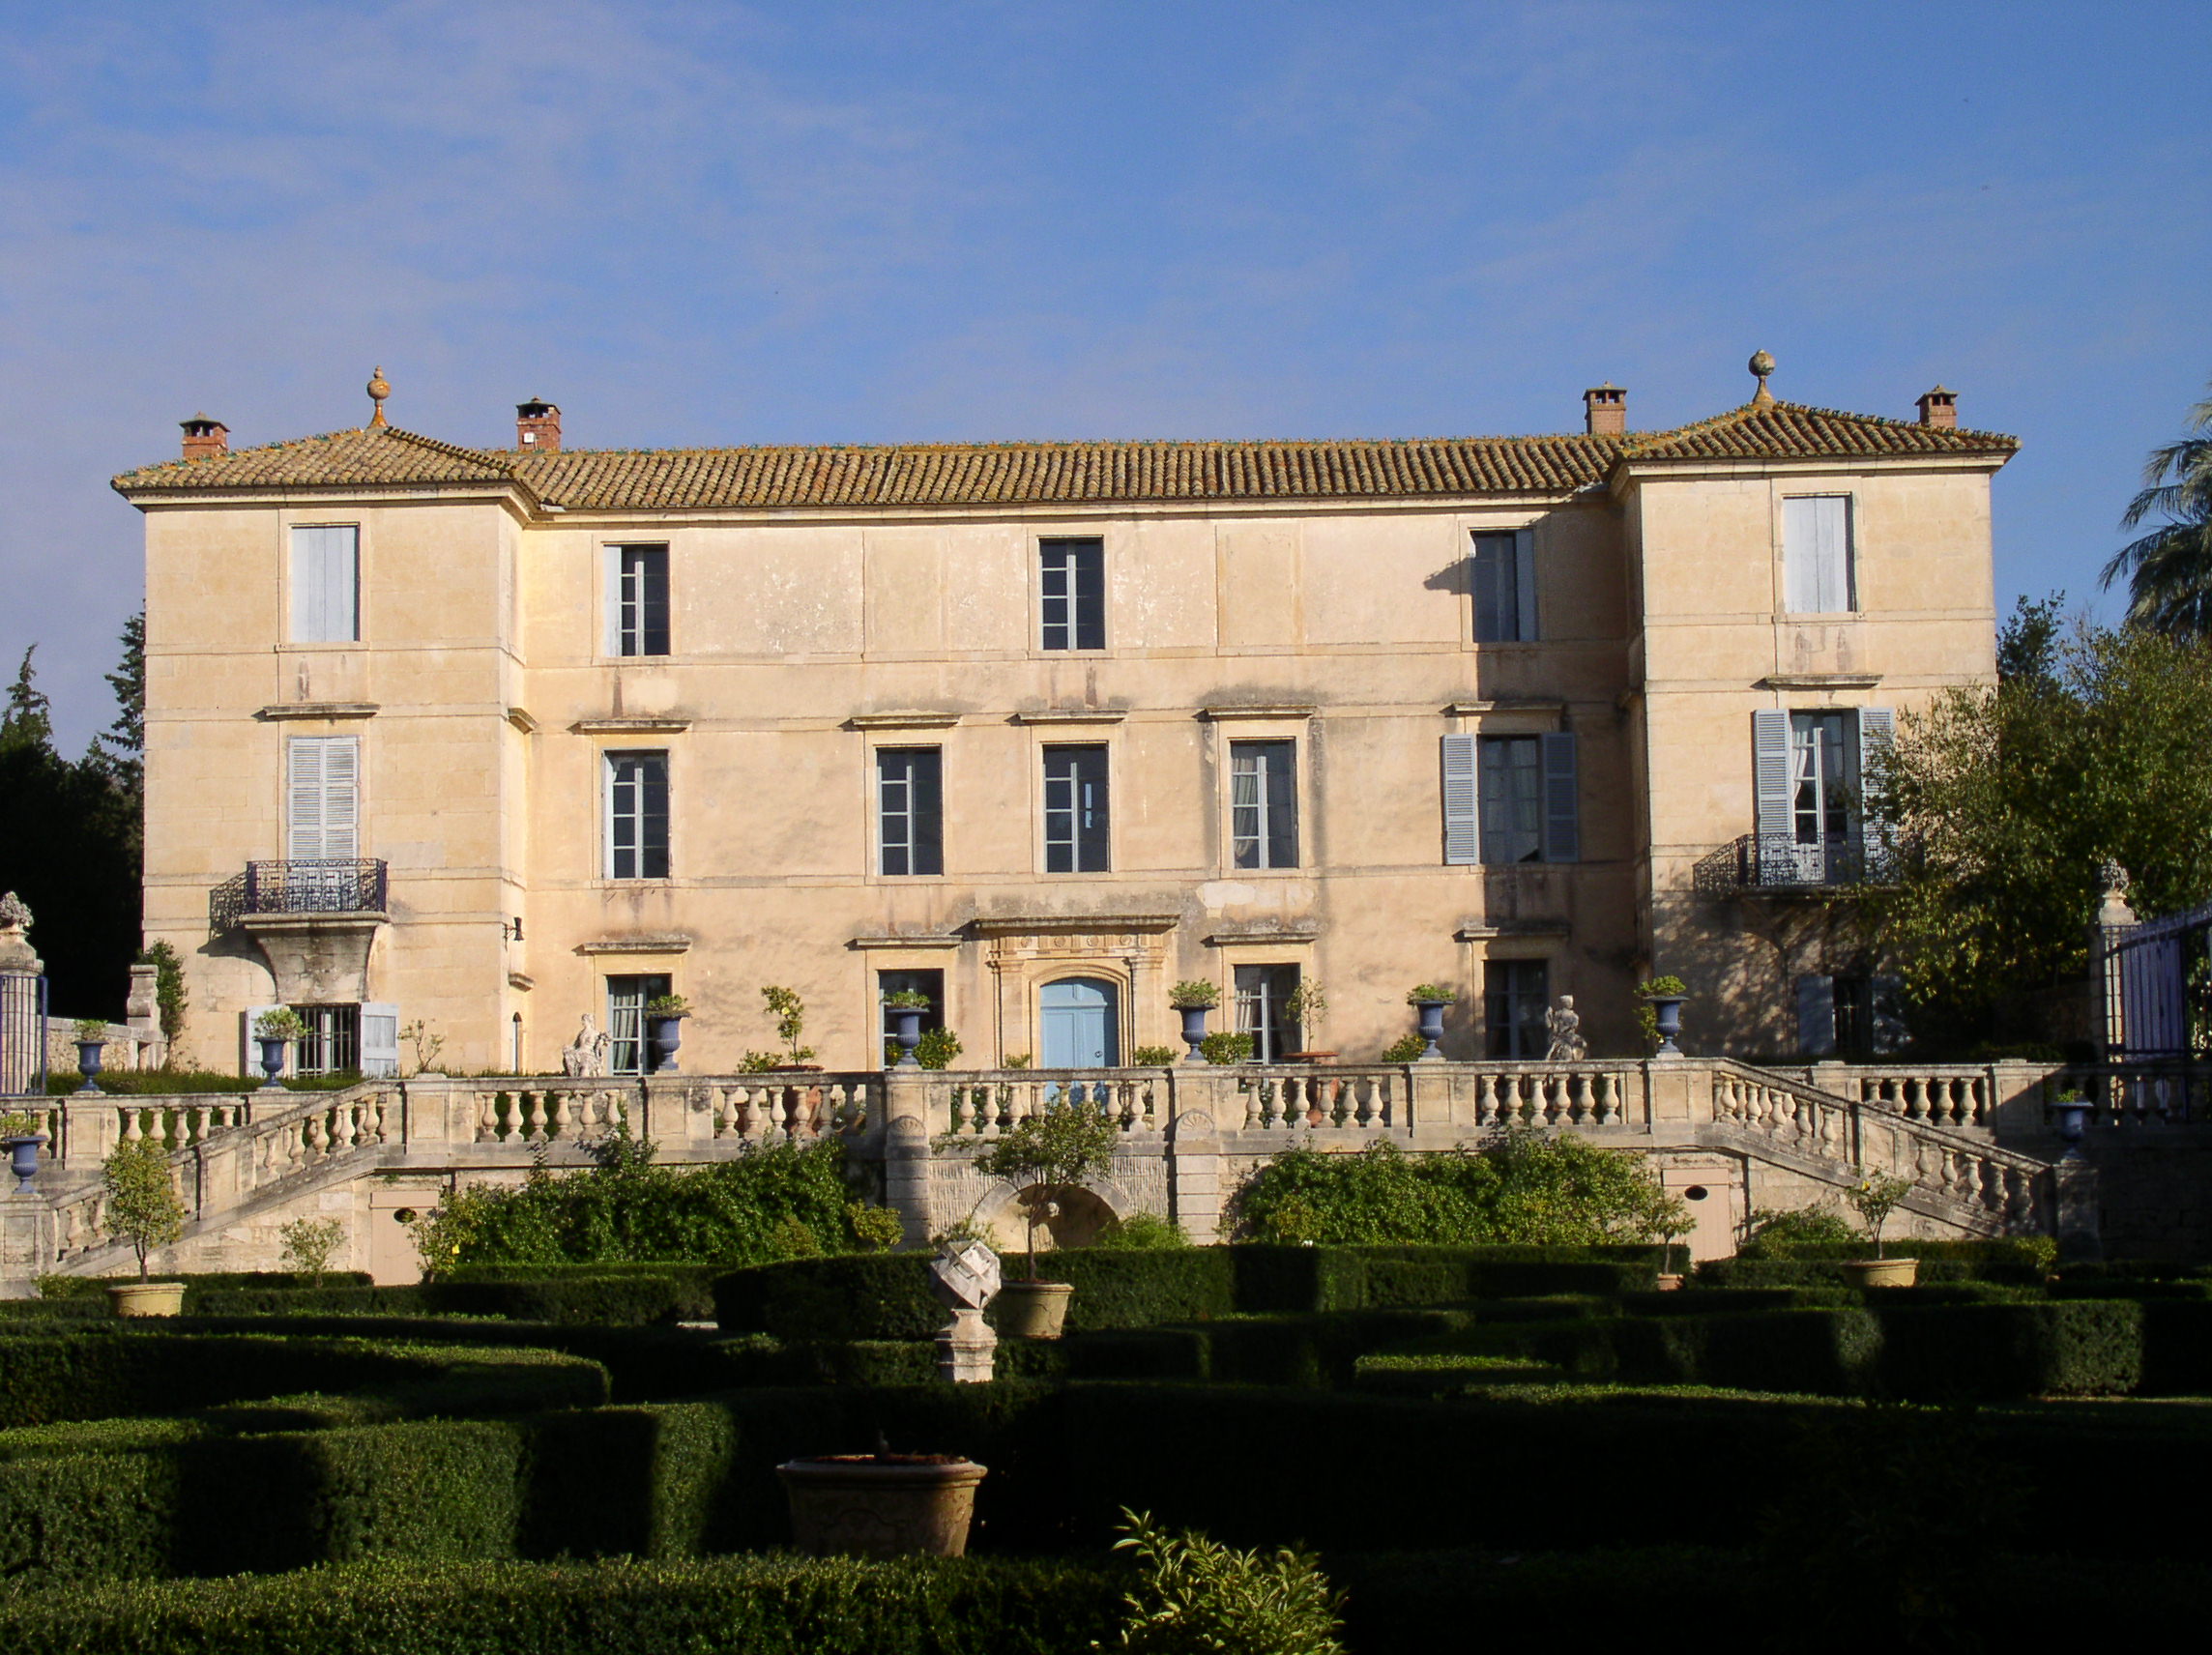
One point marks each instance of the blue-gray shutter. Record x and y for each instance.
(1562, 827)
(1463, 822)
(1524, 584)
(1770, 772)
(1816, 1016)
(1877, 729)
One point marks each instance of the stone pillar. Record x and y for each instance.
(906, 1178)
(26, 1242)
(1194, 1176)
(433, 1108)
(22, 1004)
(144, 1011)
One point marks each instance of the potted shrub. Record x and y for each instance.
(274, 1031)
(1060, 1149)
(881, 1504)
(143, 1208)
(91, 1037)
(21, 1133)
(1874, 1197)
(1431, 999)
(1227, 1045)
(907, 1007)
(1660, 1014)
(1194, 998)
(1307, 1006)
(664, 1015)
(790, 1014)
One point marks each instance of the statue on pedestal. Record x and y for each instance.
(965, 1278)
(587, 1054)
(1564, 1025)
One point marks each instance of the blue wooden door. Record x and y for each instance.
(1078, 1025)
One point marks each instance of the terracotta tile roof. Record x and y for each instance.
(977, 473)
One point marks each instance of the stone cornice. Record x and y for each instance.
(318, 710)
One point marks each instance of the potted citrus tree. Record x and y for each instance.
(1430, 1001)
(143, 1208)
(1875, 1196)
(1306, 1007)
(1194, 998)
(1057, 1150)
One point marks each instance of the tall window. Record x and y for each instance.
(331, 1044)
(637, 815)
(1263, 1011)
(1074, 587)
(1512, 798)
(322, 797)
(1515, 994)
(1824, 777)
(325, 584)
(1076, 811)
(931, 983)
(1264, 803)
(637, 600)
(1817, 577)
(1505, 588)
(625, 1020)
(910, 814)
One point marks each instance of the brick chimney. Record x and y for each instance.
(204, 436)
(537, 426)
(1605, 410)
(1939, 408)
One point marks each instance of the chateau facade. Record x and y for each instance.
(480, 741)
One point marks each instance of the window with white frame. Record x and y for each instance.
(1504, 571)
(325, 584)
(1076, 825)
(910, 814)
(637, 788)
(322, 799)
(637, 600)
(1073, 592)
(1515, 995)
(1512, 798)
(626, 1000)
(1264, 803)
(1263, 1011)
(1817, 573)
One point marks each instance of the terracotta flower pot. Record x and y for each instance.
(148, 1299)
(1881, 1272)
(882, 1505)
(1033, 1310)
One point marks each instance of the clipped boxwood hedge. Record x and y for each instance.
(832, 1606)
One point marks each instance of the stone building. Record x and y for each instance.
(487, 739)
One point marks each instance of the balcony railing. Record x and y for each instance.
(1776, 864)
(335, 885)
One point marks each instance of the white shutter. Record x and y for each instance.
(326, 569)
(611, 584)
(1877, 729)
(250, 1048)
(323, 798)
(1770, 772)
(1817, 554)
(1833, 515)
(1563, 828)
(1463, 825)
(1816, 1016)
(1524, 584)
(380, 1040)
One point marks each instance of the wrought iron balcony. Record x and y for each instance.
(336, 886)
(1776, 864)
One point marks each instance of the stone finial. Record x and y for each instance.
(1761, 363)
(378, 390)
(2116, 910)
(16, 957)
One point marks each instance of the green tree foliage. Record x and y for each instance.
(2093, 744)
(782, 1202)
(2169, 570)
(169, 993)
(1194, 1594)
(70, 838)
(1049, 1153)
(143, 1206)
(1524, 1189)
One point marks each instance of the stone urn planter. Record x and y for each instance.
(667, 1035)
(882, 1505)
(271, 1063)
(1666, 1014)
(1881, 1272)
(24, 1157)
(1034, 1310)
(88, 1065)
(908, 1035)
(1431, 1028)
(147, 1298)
(1193, 1032)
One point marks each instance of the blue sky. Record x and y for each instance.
(726, 223)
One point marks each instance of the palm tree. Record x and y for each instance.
(2169, 570)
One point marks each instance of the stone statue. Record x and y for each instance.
(1564, 1025)
(587, 1052)
(965, 1278)
(15, 954)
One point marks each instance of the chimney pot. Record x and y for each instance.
(205, 436)
(537, 426)
(1605, 410)
(1939, 408)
